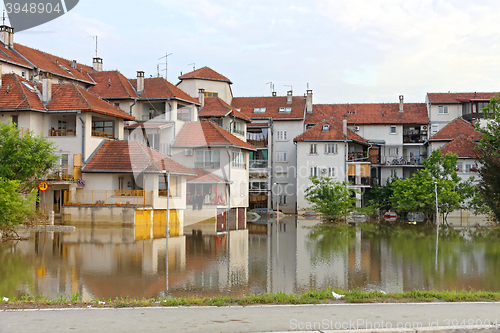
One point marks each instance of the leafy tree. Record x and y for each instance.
(23, 159)
(489, 157)
(379, 197)
(417, 193)
(330, 198)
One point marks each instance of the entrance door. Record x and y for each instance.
(57, 201)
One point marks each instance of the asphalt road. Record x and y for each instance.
(426, 317)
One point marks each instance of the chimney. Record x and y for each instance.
(97, 64)
(309, 101)
(73, 64)
(46, 90)
(274, 93)
(140, 81)
(289, 95)
(401, 102)
(344, 125)
(201, 96)
(7, 36)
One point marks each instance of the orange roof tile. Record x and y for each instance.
(18, 93)
(203, 176)
(368, 114)
(206, 133)
(131, 156)
(272, 105)
(462, 146)
(70, 96)
(205, 73)
(12, 56)
(453, 98)
(159, 88)
(216, 107)
(55, 65)
(111, 85)
(458, 126)
(335, 132)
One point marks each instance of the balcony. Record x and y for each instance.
(356, 156)
(62, 132)
(360, 181)
(100, 134)
(238, 165)
(110, 198)
(258, 139)
(398, 160)
(259, 164)
(413, 135)
(359, 174)
(65, 173)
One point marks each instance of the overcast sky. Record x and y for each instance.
(348, 51)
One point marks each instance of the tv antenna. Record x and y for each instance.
(289, 85)
(194, 68)
(271, 85)
(95, 37)
(166, 65)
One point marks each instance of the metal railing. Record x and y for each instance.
(102, 134)
(110, 198)
(65, 172)
(62, 132)
(398, 160)
(360, 181)
(357, 155)
(210, 165)
(239, 165)
(259, 164)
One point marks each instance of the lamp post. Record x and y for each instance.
(437, 221)
(278, 202)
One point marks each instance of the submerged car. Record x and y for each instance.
(264, 212)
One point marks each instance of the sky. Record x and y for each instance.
(355, 51)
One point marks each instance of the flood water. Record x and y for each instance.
(292, 256)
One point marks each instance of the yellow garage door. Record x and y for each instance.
(160, 221)
(142, 217)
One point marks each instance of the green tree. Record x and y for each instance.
(489, 158)
(379, 197)
(23, 159)
(330, 198)
(417, 193)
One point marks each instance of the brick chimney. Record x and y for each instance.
(401, 103)
(201, 96)
(46, 90)
(140, 81)
(7, 36)
(309, 101)
(289, 95)
(344, 125)
(97, 64)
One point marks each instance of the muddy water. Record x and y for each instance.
(292, 256)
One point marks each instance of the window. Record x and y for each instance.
(312, 149)
(326, 128)
(470, 168)
(285, 110)
(332, 172)
(459, 167)
(102, 128)
(393, 129)
(211, 94)
(313, 171)
(443, 109)
(394, 151)
(281, 157)
(238, 160)
(117, 105)
(239, 128)
(259, 110)
(162, 187)
(331, 148)
(281, 174)
(120, 183)
(207, 159)
(234, 189)
(15, 120)
(63, 159)
(394, 174)
(283, 200)
(281, 135)
(258, 186)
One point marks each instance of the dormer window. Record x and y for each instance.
(259, 110)
(285, 110)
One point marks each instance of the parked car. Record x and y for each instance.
(252, 217)
(264, 212)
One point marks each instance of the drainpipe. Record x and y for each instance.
(170, 113)
(271, 138)
(229, 189)
(79, 112)
(133, 104)
(231, 124)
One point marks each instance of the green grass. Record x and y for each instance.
(309, 297)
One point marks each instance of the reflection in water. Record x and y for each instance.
(290, 256)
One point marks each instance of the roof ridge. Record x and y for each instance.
(122, 83)
(148, 155)
(81, 96)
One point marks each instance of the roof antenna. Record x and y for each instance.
(3, 17)
(271, 85)
(193, 66)
(95, 37)
(166, 64)
(289, 85)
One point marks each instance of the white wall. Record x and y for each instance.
(192, 86)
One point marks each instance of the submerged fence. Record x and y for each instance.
(110, 197)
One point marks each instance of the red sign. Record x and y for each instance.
(43, 186)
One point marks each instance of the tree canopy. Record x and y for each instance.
(331, 198)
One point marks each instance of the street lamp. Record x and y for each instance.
(437, 221)
(278, 202)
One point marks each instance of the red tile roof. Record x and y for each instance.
(457, 127)
(272, 105)
(206, 133)
(453, 98)
(462, 146)
(205, 73)
(12, 56)
(18, 93)
(55, 65)
(203, 176)
(159, 88)
(216, 107)
(131, 156)
(111, 85)
(368, 114)
(335, 132)
(70, 96)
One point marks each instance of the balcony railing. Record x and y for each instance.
(238, 165)
(109, 198)
(62, 132)
(65, 172)
(357, 155)
(259, 164)
(395, 160)
(208, 165)
(360, 181)
(102, 134)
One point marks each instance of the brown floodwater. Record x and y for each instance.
(292, 256)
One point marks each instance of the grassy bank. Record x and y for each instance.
(310, 297)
